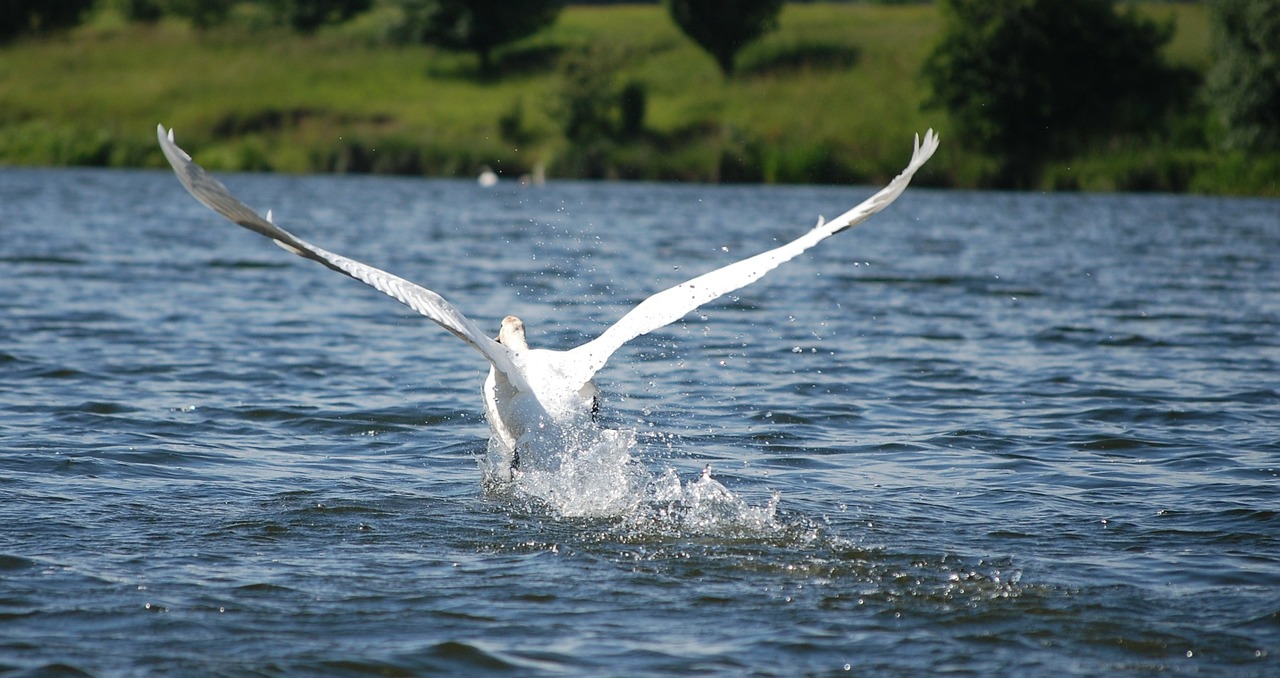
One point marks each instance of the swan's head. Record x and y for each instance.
(512, 334)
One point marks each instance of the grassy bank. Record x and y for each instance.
(833, 96)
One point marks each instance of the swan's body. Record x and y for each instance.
(535, 399)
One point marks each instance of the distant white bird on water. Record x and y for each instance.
(487, 177)
(538, 400)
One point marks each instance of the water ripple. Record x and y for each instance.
(985, 449)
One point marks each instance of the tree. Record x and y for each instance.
(18, 17)
(1245, 78)
(1032, 80)
(479, 26)
(723, 27)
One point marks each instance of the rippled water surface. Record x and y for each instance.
(979, 434)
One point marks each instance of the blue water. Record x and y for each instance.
(983, 433)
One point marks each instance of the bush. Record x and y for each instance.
(632, 102)
(1245, 79)
(1032, 80)
(587, 101)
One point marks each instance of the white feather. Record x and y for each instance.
(539, 395)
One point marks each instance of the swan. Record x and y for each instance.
(537, 400)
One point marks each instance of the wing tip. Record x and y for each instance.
(922, 150)
(930, 143)
(170, 147)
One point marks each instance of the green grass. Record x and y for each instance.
(833, 95)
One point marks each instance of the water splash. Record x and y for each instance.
(704, 506)
(595, 474)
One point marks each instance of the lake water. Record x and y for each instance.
(983, 434)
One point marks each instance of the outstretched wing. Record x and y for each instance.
(214, 195)
(674, 303)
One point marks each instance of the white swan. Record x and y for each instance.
(536, 399)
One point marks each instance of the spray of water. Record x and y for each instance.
(594, 473)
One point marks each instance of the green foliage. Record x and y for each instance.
(147, 11)
(19, 17)
(602, 122)
(803, 55)
(308, 15)
(1033, 80)
(723, 27)
(632, 102)
(587, 97)
(351, 100)
(1245, 78)
(202, 13)
(590, 106)
(478, 26)
(511, 125)
(304, 16)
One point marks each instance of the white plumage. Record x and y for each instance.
(536, 399)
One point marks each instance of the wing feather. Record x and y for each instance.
(674, 303)
(214, 195)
